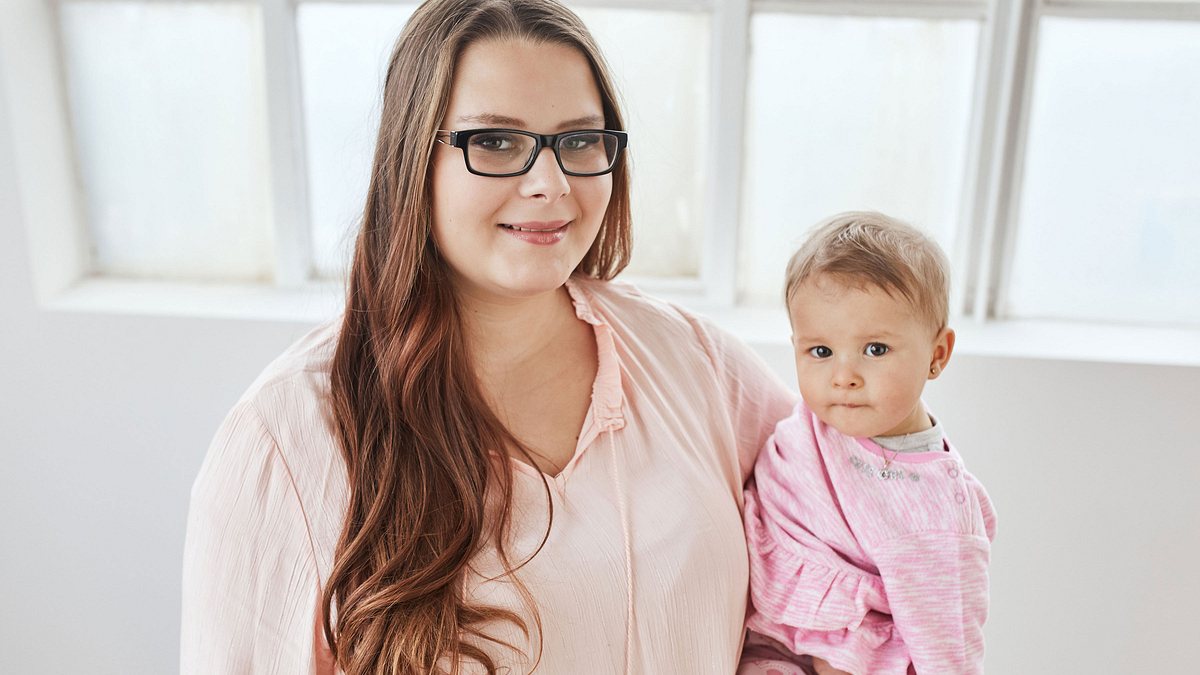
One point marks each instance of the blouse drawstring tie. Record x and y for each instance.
(623, 509)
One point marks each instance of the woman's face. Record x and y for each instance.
(518, 236)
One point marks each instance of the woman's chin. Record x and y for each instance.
(517, 284)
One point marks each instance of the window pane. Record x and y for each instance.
(344, 51)
(849, 113)
(660, 61)
(169, 114)
(1109, 222)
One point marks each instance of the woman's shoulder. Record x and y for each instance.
(665, 332)
(300, 374)
(288, 404)
(284, 415)
(291, 394)
(652, 320)
(277, 448)
(608, 296)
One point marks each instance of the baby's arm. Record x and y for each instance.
(938, 590)
(824, 668)
(937, 584)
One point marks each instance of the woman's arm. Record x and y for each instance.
(250, 583)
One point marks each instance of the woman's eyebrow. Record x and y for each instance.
(586, 122)
(494, 120)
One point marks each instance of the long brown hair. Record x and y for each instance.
(427, 460)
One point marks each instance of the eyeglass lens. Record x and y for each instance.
(502, 152)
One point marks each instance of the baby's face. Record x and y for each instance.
(862, 357)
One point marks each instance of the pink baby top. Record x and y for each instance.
(872, 559)
(645, 569)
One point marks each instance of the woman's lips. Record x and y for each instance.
(542, 233)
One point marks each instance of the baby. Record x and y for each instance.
(869, 541)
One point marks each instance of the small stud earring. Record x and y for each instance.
(933, 370)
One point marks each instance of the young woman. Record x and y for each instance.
(497, 458)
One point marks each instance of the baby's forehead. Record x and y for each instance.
(833, 288)
(831, 307)
(865, 331)
(831, 282)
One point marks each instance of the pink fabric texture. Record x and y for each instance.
(645, 569)
(878, 571)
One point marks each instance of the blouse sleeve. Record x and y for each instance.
(250, 583)
(755, 396)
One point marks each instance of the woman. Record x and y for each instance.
(499, 459)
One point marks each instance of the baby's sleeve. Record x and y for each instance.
(250, 583)
(937, 586)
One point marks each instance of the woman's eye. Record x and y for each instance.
(493, 142)
(821, 352)
(580, 143)
(876, 349)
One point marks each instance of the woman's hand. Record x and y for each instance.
(824, 668)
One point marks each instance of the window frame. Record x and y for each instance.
(33, 85)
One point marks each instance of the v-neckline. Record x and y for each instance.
(605, 409)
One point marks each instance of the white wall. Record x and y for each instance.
(104, 421)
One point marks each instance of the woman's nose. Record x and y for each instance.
(545, 179)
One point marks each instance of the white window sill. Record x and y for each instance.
(765, 328)
(312, 303)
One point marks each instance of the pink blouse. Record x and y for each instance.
(645, 569)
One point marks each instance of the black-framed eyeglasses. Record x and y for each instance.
(512, 152)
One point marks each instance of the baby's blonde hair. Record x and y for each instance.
(868, 248)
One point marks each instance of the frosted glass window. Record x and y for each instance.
(344, 52)
(660, 62)
(169, 115)
(850, 113)
(1109, 222)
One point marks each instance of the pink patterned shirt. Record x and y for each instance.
(873, 560)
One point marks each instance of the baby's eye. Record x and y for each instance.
(821, 352)
(876, 349)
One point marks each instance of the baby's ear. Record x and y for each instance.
(943, 347)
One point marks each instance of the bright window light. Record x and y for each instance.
(169, 115)
(1109, 222)
(850, 113)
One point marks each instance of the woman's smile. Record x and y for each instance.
(541, 233)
